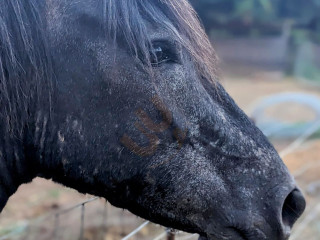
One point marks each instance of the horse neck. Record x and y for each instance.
(16, 164)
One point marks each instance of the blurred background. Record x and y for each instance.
(265, 35)
(270, 61)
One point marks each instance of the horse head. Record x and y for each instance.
(134, 113)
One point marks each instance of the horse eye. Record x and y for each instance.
(160, 55)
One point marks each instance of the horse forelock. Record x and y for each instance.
(130, 19)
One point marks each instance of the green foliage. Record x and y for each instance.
(260, 18)
(254, 8)
(215, 13)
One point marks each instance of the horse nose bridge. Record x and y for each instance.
(229, 122)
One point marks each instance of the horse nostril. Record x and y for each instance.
(293, 207)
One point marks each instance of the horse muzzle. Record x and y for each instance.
(277, 226)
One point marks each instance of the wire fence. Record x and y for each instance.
(170, 234)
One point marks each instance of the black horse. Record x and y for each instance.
(119, 98)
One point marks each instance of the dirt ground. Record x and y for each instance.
(102, 221)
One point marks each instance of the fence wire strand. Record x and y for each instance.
(300, 140)
(135, 231)
(314, 212)
(83, 208)
(56, 227)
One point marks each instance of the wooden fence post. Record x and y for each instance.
(170, 234)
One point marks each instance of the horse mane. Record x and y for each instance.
(128, 18)
(24, 63)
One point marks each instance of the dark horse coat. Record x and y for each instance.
(119, 98)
